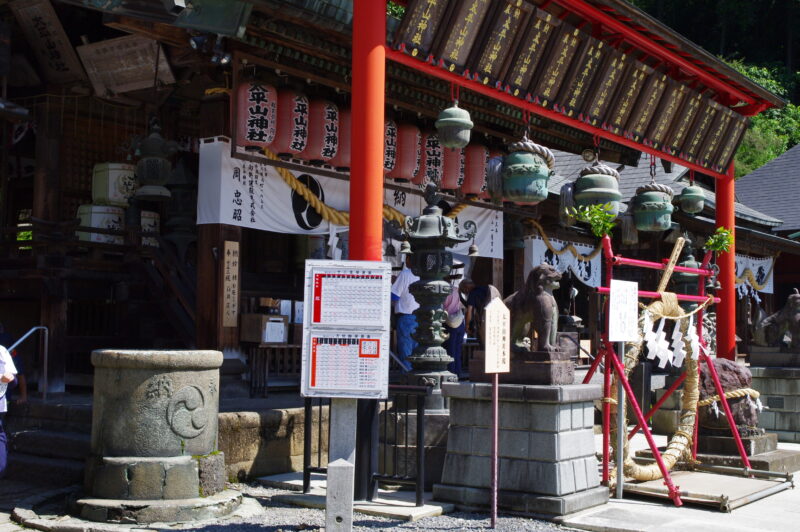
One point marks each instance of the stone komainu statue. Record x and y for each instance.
(534, 309)
(773, 328)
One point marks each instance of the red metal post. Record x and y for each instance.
(613, 361)
(368, 87)
(726, 310)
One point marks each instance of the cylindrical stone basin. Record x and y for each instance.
(155, 403)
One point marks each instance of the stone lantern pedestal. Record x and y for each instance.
(154, 438)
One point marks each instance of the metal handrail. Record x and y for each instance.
(43, 384)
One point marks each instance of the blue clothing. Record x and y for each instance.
(477, 297)
(453, 346)
(405, 326)
(3, 448)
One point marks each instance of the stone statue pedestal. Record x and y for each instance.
(773, 357)
(547, 463)
(154, 438)
(528, 367)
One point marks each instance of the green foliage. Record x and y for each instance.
(775, 130)
(599, 217)
(395, 10)
(721, 240)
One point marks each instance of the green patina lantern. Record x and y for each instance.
(598, 185)
(652, 207)
(691, 199)
(453, 127)
(526, 170)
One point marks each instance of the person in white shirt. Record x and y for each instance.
(7, 374)
(404, 307)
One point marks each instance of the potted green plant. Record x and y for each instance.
(600, 217)
(720, 242)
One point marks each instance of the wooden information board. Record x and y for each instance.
(230, 284)
(498, 359)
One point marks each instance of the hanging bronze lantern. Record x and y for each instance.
(453, 127)
(598, 185)
(526, 170)
(691, 199)
(652, 207)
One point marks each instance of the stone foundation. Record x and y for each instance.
(547, 463)
(780, 393)
(529, 367)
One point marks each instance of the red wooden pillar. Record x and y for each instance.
(726, 309)
(366, 170)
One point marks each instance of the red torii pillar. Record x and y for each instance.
(726, 309)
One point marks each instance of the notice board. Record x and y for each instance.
(346, 312)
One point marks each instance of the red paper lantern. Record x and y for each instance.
(342, 159)
(389, 146)
(292, 134)
(431, 167)
(409, 153)
(453, 166)
(476, 158)
(323, 132)
(257, 105)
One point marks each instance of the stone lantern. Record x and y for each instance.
(429, 236)
(154, 167)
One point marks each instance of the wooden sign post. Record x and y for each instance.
(498, 360)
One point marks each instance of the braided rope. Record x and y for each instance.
(456, 210)
(569, 247)
(733, 394)
(528, 145)
(599, 168)
(213, 91)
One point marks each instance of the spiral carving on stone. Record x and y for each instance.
(528, 145)
(600, 168)
(186, 412)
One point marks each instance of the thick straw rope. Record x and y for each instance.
(569, 247)
(733, 394)
(681, 442)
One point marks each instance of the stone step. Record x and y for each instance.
(52, 444)
(47, 471)
(51, 416)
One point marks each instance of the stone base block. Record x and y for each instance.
(138, 478)
(529, 367)
(665, 421)
(779, 461)
(158, 511)
(526, 503)
(673, 402)
(774, 358)
(753, 445)
(212, 473)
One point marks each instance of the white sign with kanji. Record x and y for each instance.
(623, 311)
(498, 331)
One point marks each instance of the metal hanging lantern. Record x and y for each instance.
(652, 207)
(154, 167)
(598, 185)
(453, 127)
(526, 171)
(691, 199)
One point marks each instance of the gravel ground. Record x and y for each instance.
(281, 517)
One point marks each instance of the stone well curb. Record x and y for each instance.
(25, 515)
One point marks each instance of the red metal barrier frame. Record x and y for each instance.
(612, 363)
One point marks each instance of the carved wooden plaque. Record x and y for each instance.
(579, 80)
(690, 150)
(461, 32)
(601, 95)
(553, 70)
(422, 19)
(633, 82)
(230, 284)
(124, 64)
(503, 32)
(646, 106)
(680, 127)
(667, 111)
(45, 34)
(714, 138)
(541, 28)
(731, 140)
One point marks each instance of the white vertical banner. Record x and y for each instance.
(623, 311)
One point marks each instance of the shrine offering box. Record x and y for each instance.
(276, 330)
(113, 184)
